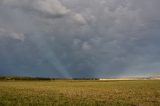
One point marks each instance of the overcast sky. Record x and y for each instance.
(80, 38)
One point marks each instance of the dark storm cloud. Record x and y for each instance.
(79, 38)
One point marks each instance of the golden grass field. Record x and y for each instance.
(80, 93)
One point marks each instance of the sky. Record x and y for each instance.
(79, 38)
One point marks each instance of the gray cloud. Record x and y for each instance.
(46, 8)
(86, 38)
(7, 33)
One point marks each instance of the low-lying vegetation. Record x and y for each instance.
(80, 93)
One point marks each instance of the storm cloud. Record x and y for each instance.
(79, 38)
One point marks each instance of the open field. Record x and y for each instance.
(80, 93)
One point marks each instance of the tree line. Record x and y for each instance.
(42, 78)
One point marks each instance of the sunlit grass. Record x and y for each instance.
(80, 93)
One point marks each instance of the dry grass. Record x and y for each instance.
(80, 93)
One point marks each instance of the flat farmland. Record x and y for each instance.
(80, 93)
